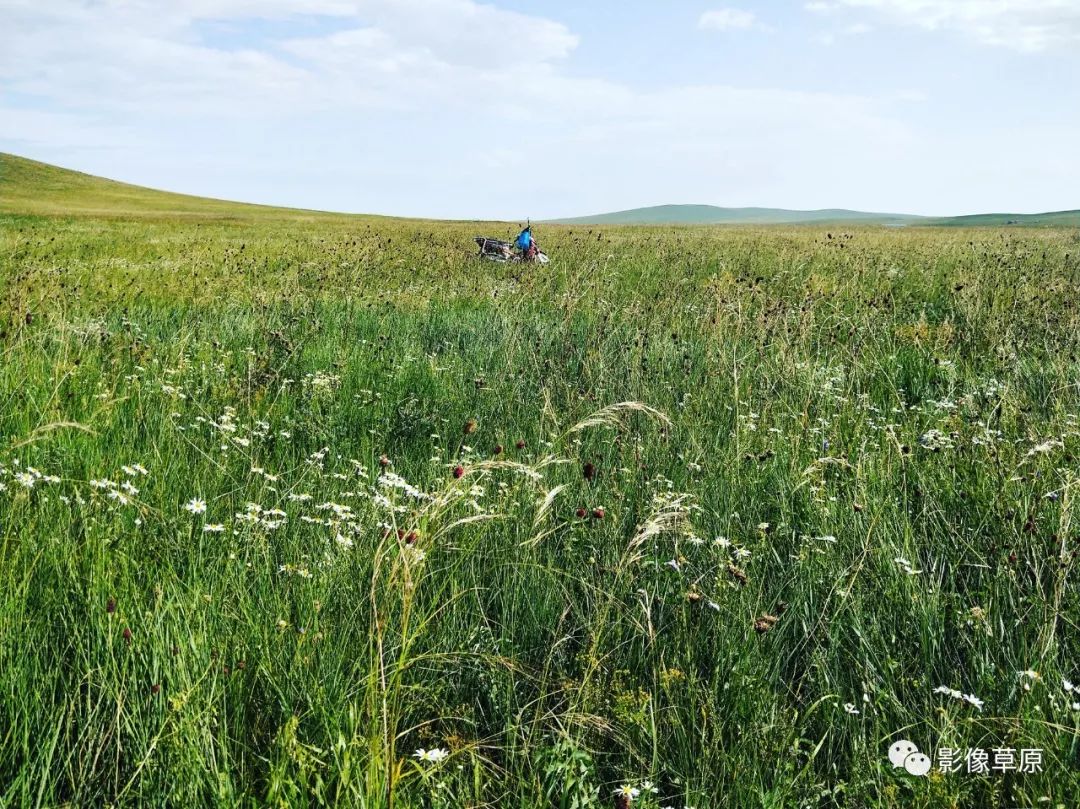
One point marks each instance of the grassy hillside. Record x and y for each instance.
(713, 215)
(30, 187)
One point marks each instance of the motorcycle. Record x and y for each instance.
(498, 250)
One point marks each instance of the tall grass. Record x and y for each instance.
(716, 510)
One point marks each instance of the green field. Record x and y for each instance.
(285, 497)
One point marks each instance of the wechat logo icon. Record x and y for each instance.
(905, 754)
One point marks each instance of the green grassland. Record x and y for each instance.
(727, 511)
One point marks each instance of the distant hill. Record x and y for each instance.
(986, 220)
(30, 187)
(713, 215)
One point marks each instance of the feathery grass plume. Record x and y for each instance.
(39, 433)
(615, 415)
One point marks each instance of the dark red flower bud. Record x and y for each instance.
(598, 513)
(110, 606)
(127, 635)
(459, 472)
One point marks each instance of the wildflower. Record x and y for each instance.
(127, 635)
(673, 564)
(384, 461)
(24, 479)
(433, 756)
(581, 513)
(627, 791)
(765, 623)
(649, 786)
(1068, 686)
(213, 528)
(849, 708)
(459, 472)
(598, 513)
(907, 566)
(520, 444)
(195, 506)
(738, 574)
(971, 699)
(935, 440)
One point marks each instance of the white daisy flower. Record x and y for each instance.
(433, 756)
(195, 506)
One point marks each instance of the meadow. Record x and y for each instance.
(303, 510)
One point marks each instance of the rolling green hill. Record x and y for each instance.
(713, 215)
(994, 220)
(30, 187)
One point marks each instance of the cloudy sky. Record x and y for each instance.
(508, 109)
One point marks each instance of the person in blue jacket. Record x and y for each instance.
(526, 243)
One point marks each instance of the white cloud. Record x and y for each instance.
(398, 106)
(394, 107)
(726, 19)
(1024, 25)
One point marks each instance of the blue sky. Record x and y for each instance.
(461, 109)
